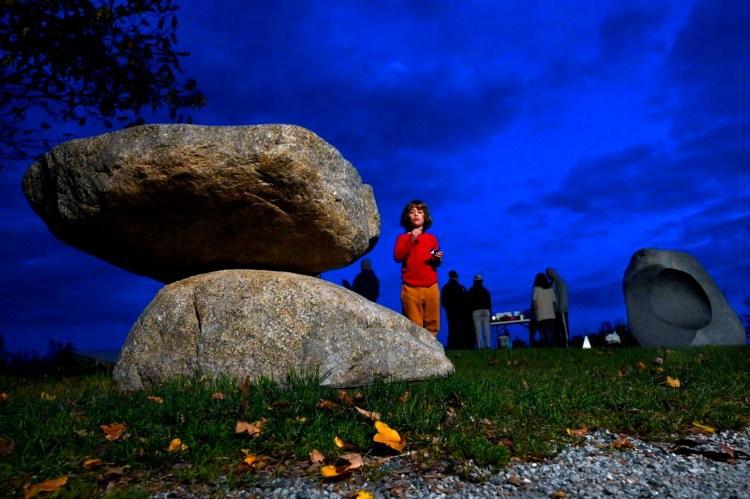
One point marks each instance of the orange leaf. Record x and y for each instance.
(673, 382)
(175, 445)
(361, 494)
(345, 398)
(338, 441)
(316, 456)
(3, 396)
(327, 404)
(250, 460)
(47, 486)
(114, 431)
(622, 443)
(372, 415)
(217, 396)
(158, 400)
(46, 396)
(389, 437)
(90, 463)
(640, 365)
(404, 397)
(334, 471)
(252, 429)
(579, 432)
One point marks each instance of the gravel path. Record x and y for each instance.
(601, 465)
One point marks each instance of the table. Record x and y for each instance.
(500, 327)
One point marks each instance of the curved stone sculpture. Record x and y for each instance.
(171, 201)
(672, 301)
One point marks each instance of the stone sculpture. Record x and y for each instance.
(264, 323)
(236, 219)
(672, 301)
(171, 201)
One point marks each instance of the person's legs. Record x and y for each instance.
(476, 315)
(431, 308)
(411, 302)
(485, 318)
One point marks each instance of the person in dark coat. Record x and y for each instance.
(480, 304)
(454, 301)
(366, 283)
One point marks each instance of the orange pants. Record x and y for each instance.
(422, 306)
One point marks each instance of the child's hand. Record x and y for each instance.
(438, 254)
(415, 233)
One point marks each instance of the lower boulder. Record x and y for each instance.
(255, 323)
(672, 301)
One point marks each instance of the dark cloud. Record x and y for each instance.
(632, 31)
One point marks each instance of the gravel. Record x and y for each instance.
(601, 464)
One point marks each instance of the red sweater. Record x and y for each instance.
(418, 267)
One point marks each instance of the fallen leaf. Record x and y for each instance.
(301, 419)
(90, 463)
(316, 456)
(338, 441)
(659, 361)
(703, 428)
(389, 437)
(175, 445)
(114, 431)
(372, 415)
(158, 400)
(559, 495)
(494, 362)
(3, 396)
(46, 396)
(579, 432)
(404, 397)
(253, 429)
(217, 396)
(47, 486)
(279, 405)
(250, 460)
(345, 398)
(622, 373)
(640, 365)
(361, 494)
(515, 481)
(622, 443)
(673, 382)
(335, 471)
(355, 460)
(327, 404)
(728, 450)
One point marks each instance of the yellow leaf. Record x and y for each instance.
(673, 382)
(250, 460)
(114, 431)
(158, 400)
(372, 415)
(338, 441)
(47, 486)
(334, 471)
(316, 456)
(361, 494)
(389, 437)
(704, 428)
(579, 432)
(176, 444)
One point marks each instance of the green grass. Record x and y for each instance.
(497, 405)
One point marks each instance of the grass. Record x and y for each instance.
(498, 405)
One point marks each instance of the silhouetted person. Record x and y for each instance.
(543, 302)
(562, 331)
(366, 283)
(480, 304)
(454, 301)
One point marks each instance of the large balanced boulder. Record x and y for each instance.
(270, 324)
(171, 201)
(672, 301)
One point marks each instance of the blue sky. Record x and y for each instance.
(541, 133)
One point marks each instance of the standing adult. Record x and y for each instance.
(560, 287)
(480, 304)
(454, 300)
(543, 305)
(366, 283)
(419, 255)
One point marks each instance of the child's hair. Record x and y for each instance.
(541, 281)
(406, 222)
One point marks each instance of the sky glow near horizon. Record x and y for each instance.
(545, 133)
